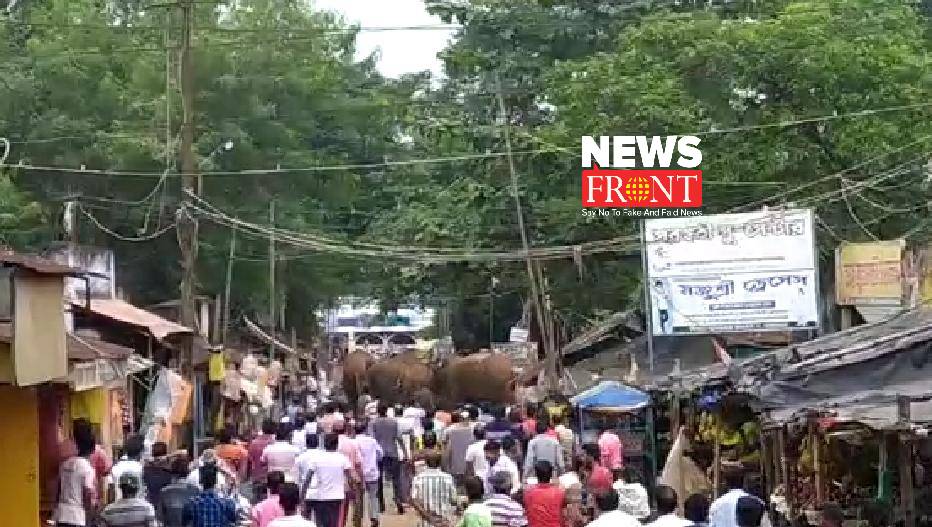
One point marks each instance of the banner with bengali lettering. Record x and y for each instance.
(869, 273)
(732, 273)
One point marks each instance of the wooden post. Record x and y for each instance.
(847, 316)
(766, 465)
(784, 470)
(815, 444)
(717, 465)
(905, 448)
(674, 417)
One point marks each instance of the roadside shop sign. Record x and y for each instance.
(522, 354)
(869, 273)
(732, 273)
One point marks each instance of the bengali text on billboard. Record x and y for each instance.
(732, 273)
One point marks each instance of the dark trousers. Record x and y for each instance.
(326, 512)
(391, 467)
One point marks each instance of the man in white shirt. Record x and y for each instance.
(499, 462)
(129, 464)
(281, 454)
(328, 475)
(77, 484)
(476, 463)
(608, 514)
(303, 467)
(299, 432)
(289, 497)
(666, 500)
(722, 510)
(416, 414)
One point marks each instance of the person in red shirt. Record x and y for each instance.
(544, 501)
(530, 423)
(598, 479)
(257, 469)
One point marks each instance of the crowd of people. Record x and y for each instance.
(470, 467)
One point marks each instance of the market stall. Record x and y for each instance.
(860, 394)
(626, 410)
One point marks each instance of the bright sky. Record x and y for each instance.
(401, 51)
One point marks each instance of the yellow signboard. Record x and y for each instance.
(869, 273)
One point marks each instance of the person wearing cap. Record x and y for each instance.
(506, 512)
(129, 510)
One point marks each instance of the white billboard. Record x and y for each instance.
(732, 273)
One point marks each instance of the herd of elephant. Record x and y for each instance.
(481, 377)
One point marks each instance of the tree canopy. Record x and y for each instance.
(822, 104)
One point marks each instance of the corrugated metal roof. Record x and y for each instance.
(122, 311)
(37, 264)
(854, 345)
(80, 348)
(83, 347)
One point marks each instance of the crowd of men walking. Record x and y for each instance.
(469, 467)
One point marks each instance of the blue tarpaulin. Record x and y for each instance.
(611, 395)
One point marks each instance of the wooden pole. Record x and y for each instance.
(272, 317)
(525, 244)
(717, 465)
(187, 224)
(905, 448)
(675, 416)
(784, 470)
(766, 461)
(227, 288)
(815, 444)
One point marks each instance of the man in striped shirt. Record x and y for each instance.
(433, 494)
(506, 512)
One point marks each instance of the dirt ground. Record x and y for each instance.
(391, 519)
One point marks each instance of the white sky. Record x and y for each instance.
(401, 51)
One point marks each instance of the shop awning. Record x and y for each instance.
(611, 396)
(855, 374)
(122, 311)
(86, 348)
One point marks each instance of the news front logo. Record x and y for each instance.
(641, 176)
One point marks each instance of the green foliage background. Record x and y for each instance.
(83, 84)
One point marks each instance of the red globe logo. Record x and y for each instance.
(637, 189)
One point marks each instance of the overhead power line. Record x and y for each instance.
(487, 155)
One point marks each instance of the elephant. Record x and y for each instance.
(396, 380)
(355, 366)
(481, 377)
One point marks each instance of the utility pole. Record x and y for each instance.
(549, 352)
(228, 287)
(272, 315)
(491, 311)
(187, 223)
